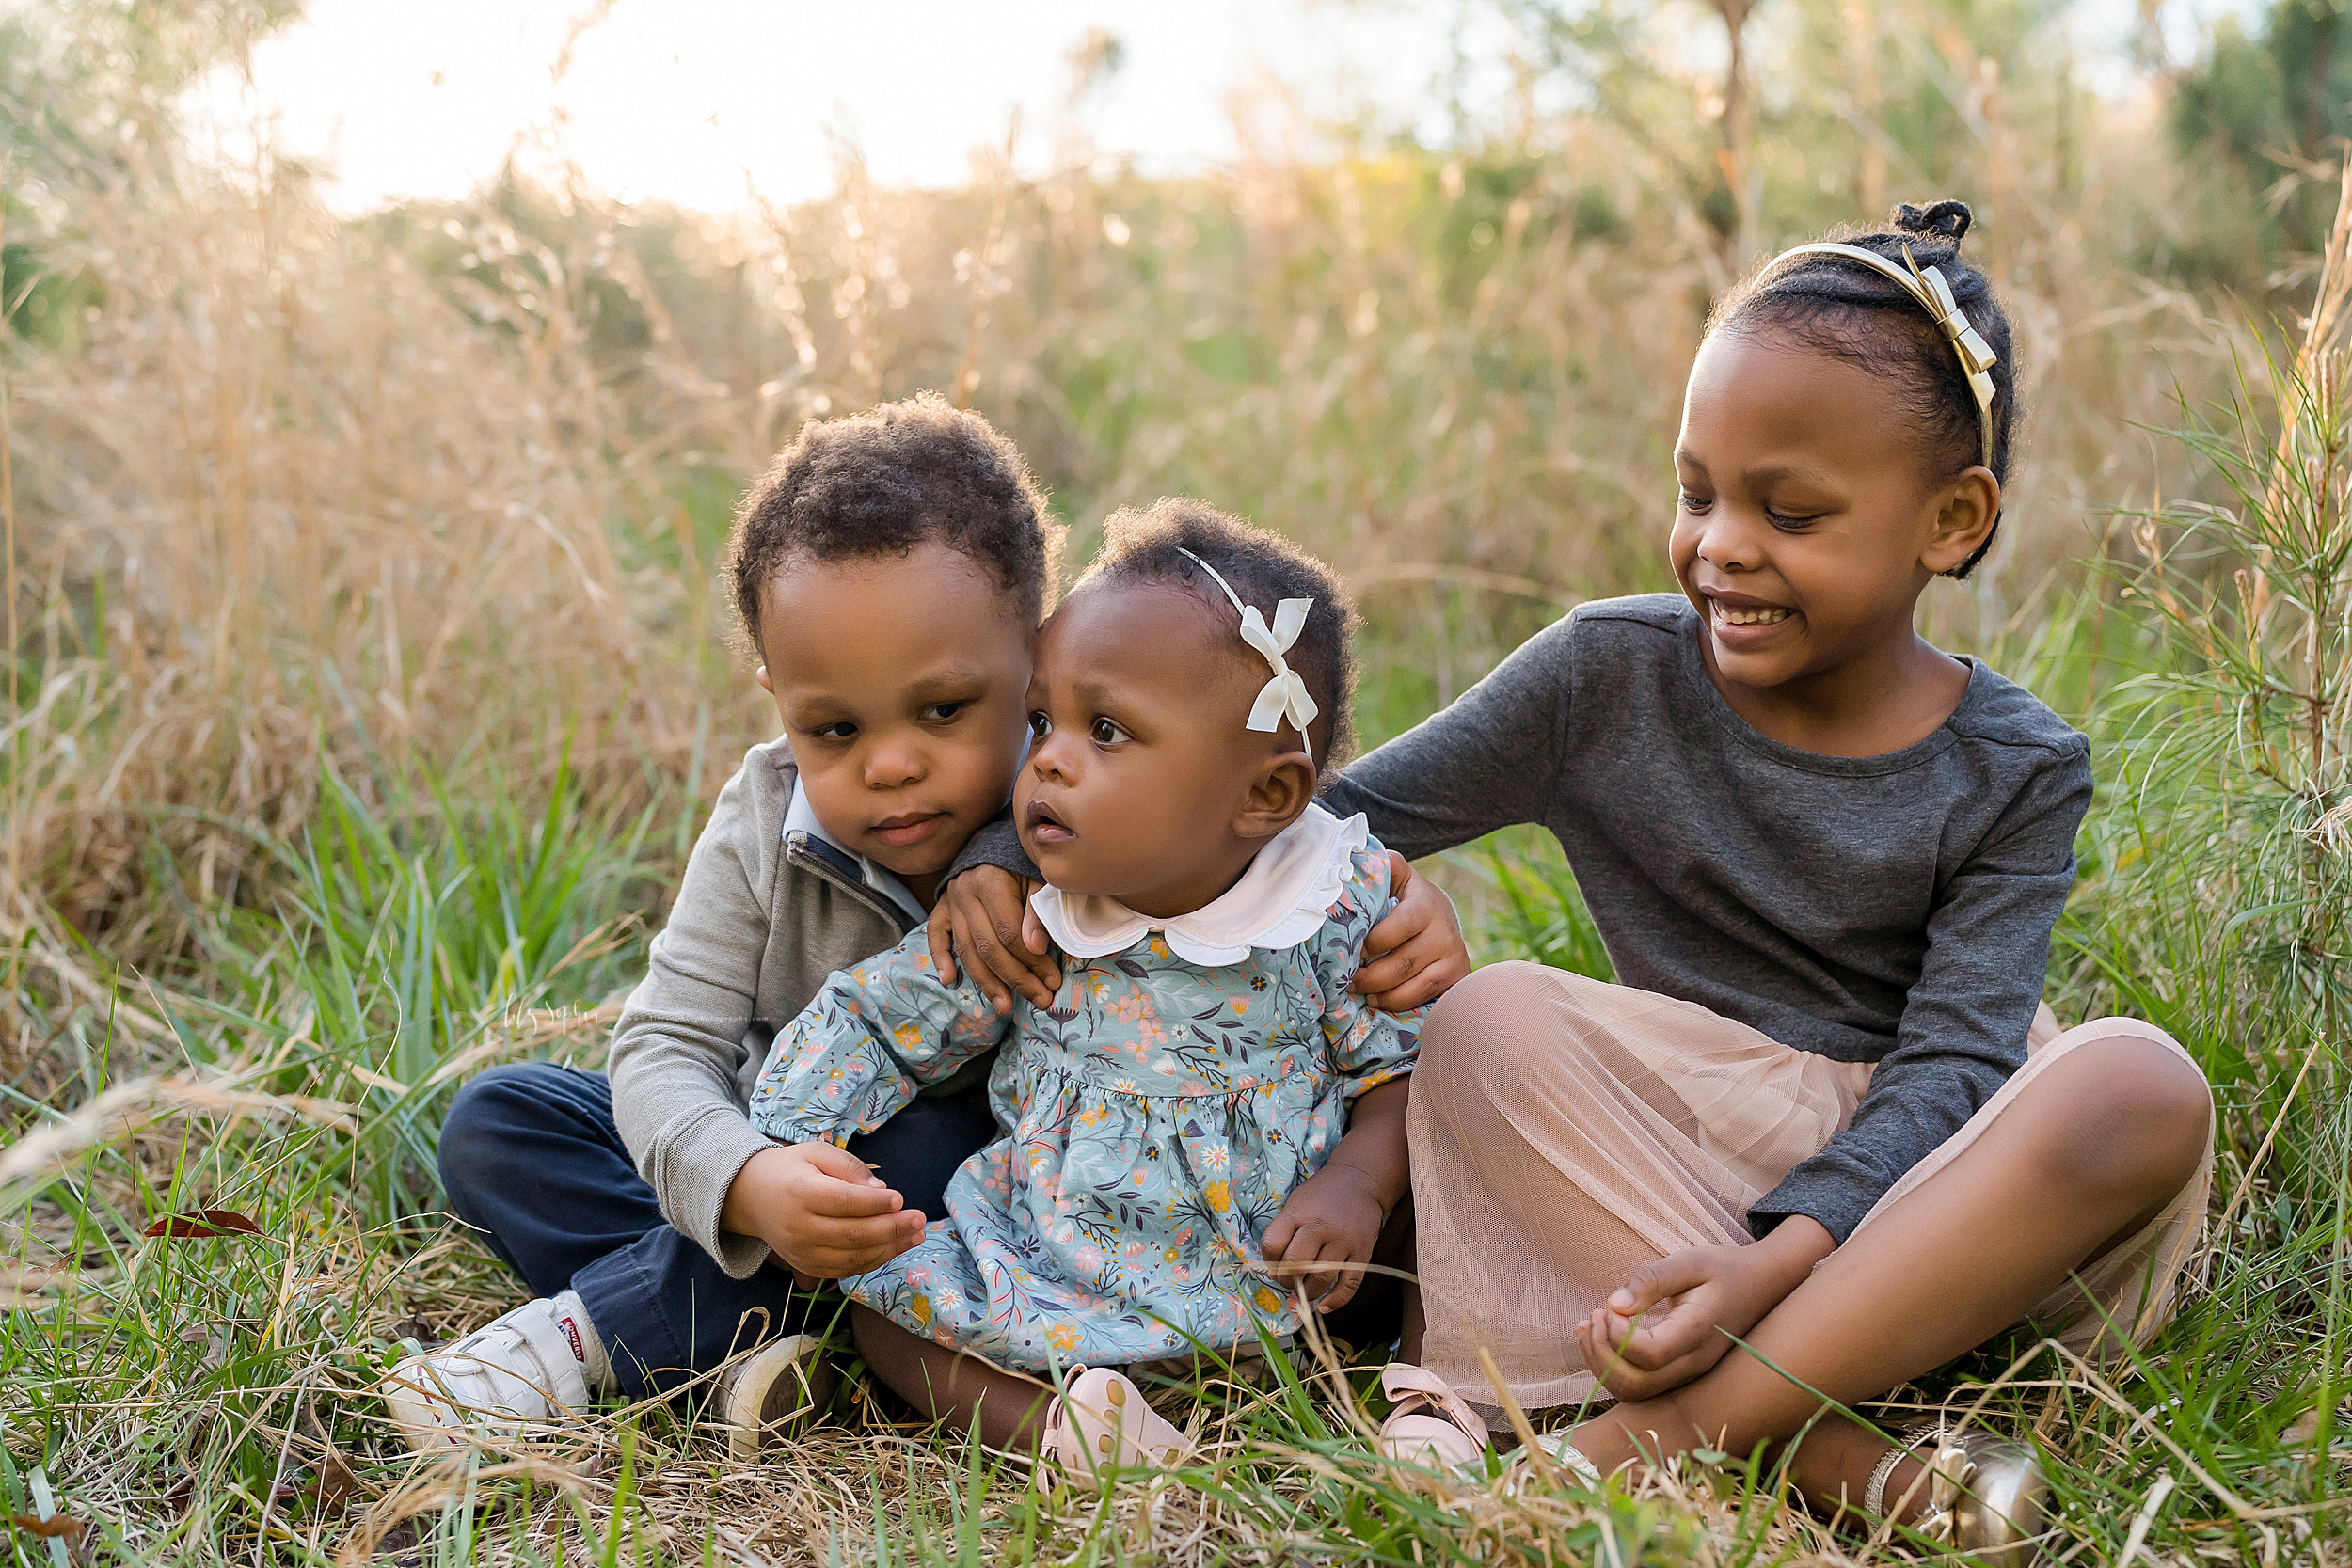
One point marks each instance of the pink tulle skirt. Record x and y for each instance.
(1564, 1131)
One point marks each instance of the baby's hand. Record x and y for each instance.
(983, 920)
(1325, 1233)
(820, 1211)
(1416, 952)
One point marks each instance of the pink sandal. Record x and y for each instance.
(1430, 1425)
(1099, 1422)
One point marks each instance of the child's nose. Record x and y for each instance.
(1049, 758)
(1729, 541)
(893, 762)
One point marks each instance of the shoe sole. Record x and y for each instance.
(795, 1370)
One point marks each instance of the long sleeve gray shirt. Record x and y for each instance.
(1895, 909)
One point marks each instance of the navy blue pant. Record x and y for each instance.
(530, 1158)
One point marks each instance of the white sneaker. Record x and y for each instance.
(515, 1372)
(772, 1392)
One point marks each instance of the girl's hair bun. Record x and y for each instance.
(1944, 220)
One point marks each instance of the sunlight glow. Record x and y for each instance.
(695, 102)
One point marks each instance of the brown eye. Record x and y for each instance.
(1039, 726)
(1106, 733)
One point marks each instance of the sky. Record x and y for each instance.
(698, 101)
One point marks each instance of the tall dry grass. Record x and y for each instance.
(429, 494)
(283, 505)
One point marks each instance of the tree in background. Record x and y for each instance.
(2275, 105)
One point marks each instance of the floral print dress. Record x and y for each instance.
(1158, 1116)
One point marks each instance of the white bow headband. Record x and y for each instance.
(1285, 695)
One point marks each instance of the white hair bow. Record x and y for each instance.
(1284, 696)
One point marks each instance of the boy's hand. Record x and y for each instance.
(1416, 952)
(984, 924)
(1676, 1318)
(1326, 1233)
(820, 1211)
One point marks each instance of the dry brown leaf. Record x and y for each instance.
(204, 1222)
(56, 1527)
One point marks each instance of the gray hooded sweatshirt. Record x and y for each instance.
(766, 910)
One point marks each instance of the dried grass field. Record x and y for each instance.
(369, 678)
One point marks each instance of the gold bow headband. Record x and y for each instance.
(1934, 295)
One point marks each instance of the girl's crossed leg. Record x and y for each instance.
(1011, 1409)
(1618, 1136)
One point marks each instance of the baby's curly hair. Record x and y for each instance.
(1842, 308)
(1147, 545)
(884, 480)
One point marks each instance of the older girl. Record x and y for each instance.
(1824, 1111)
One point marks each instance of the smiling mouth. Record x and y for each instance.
(1749, 615)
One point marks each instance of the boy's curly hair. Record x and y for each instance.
(884, 480)
(1844, 309)
(1147, 545)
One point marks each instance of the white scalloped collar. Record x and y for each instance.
(1280, 902)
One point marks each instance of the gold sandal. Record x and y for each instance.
(1987, 1497)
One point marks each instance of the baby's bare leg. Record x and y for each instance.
(2089, 1154)
(951, 1386)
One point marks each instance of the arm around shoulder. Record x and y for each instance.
(1488, 760)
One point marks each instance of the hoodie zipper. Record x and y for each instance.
(799, 850)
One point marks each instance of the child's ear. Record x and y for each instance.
(765, 684)
(1280, 792)
(1964, 517)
